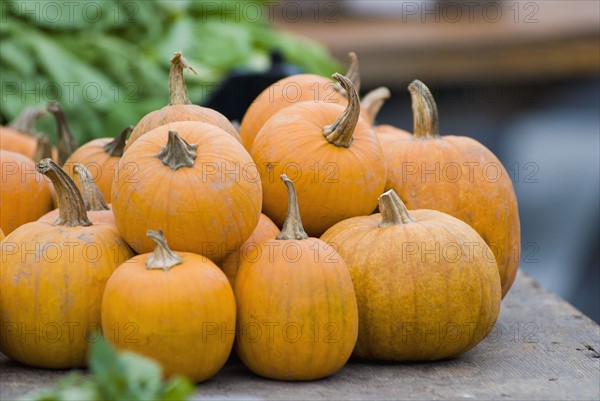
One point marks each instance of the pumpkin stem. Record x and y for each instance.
(25, 121)
(115, 147)
(374, 100)
(66, 141)
(353, 74)
(162, 257)
(292, 226)
(177, 152)
(393, 210)
(177, 90)
(425, 112)
(341, 131)
(92, 197)
(70, 202)
(43, 148)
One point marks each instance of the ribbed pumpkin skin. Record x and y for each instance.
(286, 92)
(200, 212)
(57, 294)
(314, 292)
(101, 165)
(265, 230)
(95, 216)
(292, 143)
(472, 194)
(405, 288)
(25, 195)
(177, 113)
(184, 318)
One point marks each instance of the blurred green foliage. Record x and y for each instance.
(107, 62)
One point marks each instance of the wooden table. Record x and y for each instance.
(541, 348)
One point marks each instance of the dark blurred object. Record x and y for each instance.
(240, 87)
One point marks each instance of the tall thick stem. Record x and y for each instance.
(425, 112)
(374, 100)
(177, 89)
(116, 147)
(177, 153)
(92, 197)
(163, 257)
(292, 226)
(393, 210)
(43, 148)
(25, 121)
(341, 131)
(70, 202)
(66, 141)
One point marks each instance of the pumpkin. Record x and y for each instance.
(329, 152)
(2, 236)
(66, 141)
(101, 157)
(180, 108)
(20, 136)
(196, 182)
(459, 176)
(25, 195)
(265, 229)
(426, 283)
(180, 308)
(292, 90)
(50, 300)
(95, 205)
(296, 308)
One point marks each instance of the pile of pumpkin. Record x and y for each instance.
(377, 254)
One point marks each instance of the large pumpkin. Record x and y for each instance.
(196, 182)
(176, 308)
(459, 176)
(95, 205)
(296, 309)
(329, 152)
(101, 157)
(265, 230)
(180, 108)
(20, 135)
(25, 195)
(426, 283)
(50, 299)
(292, 90)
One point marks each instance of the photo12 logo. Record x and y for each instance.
(70, 12)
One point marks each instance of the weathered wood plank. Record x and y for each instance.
(541, 348)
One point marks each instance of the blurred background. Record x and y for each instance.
(522, 77)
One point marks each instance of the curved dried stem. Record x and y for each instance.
(92, 197)
(393, 211)
(25, 121)
(177, 153)
(425, 112)
(116, 147)
(67, 144)
(177, 89)
(163, 257)
(374, 100)
(292, 226)
(341, 132)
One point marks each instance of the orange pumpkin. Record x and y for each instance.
(459, 176)
(20, 135)
(101, 157)
(330, 152)
(296, 308)
(182, 307)
(426, 283)
(95, 205)
(2, 236)
(180, 108)
(264, 230)
(293, 90)
(196, 182)
(25, 195)
(66, 141)
(54, 292)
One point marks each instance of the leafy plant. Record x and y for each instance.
(116, 376)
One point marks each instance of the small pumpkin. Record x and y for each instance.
(182, 307)
(95, 205)
(101, 157)
(25, 195)
(20, 135)
(67, 144)
(293, 90)
(180, 108)
(196, 182)
(426, 283)
(330, 152)
(296, 308)
(459, 176)
(265, 230)
(56, 290)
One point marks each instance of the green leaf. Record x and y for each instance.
(176, 389)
